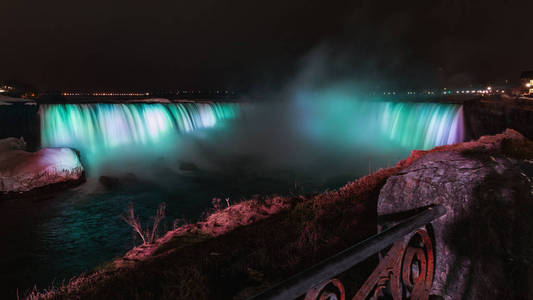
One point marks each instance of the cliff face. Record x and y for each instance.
(491, 117)
(484, 244)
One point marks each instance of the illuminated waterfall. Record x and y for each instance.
(104, 132)
(422, 125)
(343, 122)
(126, 135)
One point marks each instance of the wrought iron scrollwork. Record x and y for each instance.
(418, 266)
(328, 290)
(406, 272)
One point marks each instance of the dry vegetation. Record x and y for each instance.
(147, 235)
(240, 250)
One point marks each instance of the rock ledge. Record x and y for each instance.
(22, 171)
(483, 243)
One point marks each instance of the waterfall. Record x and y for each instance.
(343, 122)
(422, 125)
(126, 135)
(104, 132)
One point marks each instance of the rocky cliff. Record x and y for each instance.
(22, 171)
(484, 244)
(494, 116)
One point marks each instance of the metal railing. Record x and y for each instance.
(405, 271)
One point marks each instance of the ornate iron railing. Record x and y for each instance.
(406, 271)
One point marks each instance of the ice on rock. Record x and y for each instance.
(22, 171)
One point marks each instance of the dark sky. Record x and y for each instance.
(60, 44)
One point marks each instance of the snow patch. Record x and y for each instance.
(22, 171)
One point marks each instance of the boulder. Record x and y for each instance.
(188, 166)
(484, 243)
(12, 144)
(109, 182)
(22, 171)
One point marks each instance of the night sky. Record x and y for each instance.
(249, 45)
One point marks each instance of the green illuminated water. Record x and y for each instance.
(129, 135)
(379, 125)
(104, 133)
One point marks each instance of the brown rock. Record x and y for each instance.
(484, 243)
(109, 182)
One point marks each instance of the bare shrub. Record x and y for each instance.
(148, 236)
(33, 294)
(217, 204)
(179, 222)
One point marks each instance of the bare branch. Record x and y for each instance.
(148, 236)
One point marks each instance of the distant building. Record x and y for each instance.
(526, 83)
(5, 89)
(18, 90)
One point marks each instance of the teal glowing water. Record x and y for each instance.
(380, 125)
(422, 126)
(106, 132)
(126, 135)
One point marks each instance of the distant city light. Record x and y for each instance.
(124, 94)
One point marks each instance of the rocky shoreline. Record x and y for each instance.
(482, 243)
